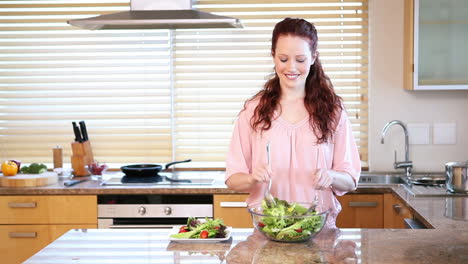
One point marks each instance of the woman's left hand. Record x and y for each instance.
(322, 179)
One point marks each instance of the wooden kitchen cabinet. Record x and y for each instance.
(395, 212)
(29, 223)
(19, 242)
(232, 208)
(361, 211)
(435, 56)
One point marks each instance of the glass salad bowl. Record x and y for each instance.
(287, 222)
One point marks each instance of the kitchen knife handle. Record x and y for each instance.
(84, 131)
(73, 182)
(77, 132)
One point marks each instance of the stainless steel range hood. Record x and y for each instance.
(158, 14)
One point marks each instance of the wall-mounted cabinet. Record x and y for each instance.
(435, 54)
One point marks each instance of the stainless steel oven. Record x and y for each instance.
(151, 211)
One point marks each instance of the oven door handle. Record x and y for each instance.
(140, 226)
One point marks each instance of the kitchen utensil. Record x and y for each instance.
(77, 133)
(84, 131)
(28, 180)
(82, 153)
(457, 177)
(73, 182)
(57, 157)
(315, 202)
(81, 156)
(273, 228)
(428, 180)
(147, 170)
(267, 194)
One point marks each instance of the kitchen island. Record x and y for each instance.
(249, 246)
(445, 241)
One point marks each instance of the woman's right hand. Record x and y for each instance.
(260, 174)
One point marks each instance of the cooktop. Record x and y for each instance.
(162, 179)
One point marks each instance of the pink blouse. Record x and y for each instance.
(293, 159)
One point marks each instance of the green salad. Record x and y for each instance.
(210, 228)
(288, 221)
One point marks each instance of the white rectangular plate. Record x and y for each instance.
(175, 230)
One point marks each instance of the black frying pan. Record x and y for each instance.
(148, 170)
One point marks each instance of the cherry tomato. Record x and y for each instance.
(260, 224)
(217, 227)
(299, 230)
(204, 234)
(183, 229)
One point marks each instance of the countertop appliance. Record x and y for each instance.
(151, 211)
(181, 178)
(457, 176)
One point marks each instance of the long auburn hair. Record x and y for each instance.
(321, 101)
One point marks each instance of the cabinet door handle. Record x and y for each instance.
(22, 205)
(139, 226)
(362, 204)
(397, 208)
(22, 234)
(233, 204)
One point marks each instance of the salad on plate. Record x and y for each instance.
(198, 229)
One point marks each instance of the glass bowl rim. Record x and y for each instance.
(256, 205)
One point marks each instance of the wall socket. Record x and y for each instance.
(445, 134)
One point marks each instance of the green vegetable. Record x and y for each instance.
(214, 227)
(34, 168)
(280, 225)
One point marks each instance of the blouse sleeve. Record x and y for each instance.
(345, 154)
(239, 158)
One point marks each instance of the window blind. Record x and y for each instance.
(216, 70)
(153, 96)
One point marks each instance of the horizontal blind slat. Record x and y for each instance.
(119, 81)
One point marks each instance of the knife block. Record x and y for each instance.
(82, 155)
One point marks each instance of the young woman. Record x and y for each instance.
(312, 149)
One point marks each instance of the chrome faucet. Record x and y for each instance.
(406, 164)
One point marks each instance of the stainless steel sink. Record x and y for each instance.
(380, 179)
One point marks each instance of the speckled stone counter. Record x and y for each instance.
(433, 212)
(247, 246)
(445, 242)
(93, 186)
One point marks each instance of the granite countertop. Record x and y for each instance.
(94, 186)
(446, 242)
(434, 212)
(248, 246)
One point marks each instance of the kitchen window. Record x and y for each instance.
(154, 96)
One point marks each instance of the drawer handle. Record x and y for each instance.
(22, 234)
(22, 205)
(362, 204)
(233, 204)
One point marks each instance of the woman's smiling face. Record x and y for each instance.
(292, 59)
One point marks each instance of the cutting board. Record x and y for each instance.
(28, 180)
